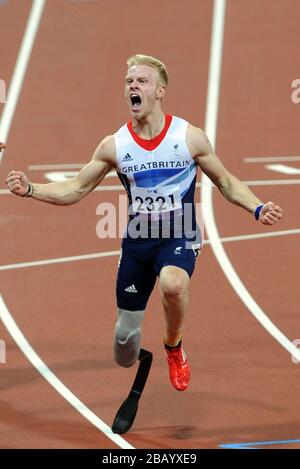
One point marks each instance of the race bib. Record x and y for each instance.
(152, 200)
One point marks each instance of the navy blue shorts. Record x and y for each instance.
(141, 262)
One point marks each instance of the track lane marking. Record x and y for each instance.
(214, 79)
(59, 260)
(256, 443)
(95, 255)
(19, 72)
(283, 169)
(272, 182)
(271, 159)
(46, 167)
(52, 379)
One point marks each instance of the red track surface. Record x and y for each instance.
(244, 386)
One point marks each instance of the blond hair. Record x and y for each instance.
(141, 59)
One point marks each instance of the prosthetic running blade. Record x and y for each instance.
(127, 412)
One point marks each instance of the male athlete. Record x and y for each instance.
(156, 157)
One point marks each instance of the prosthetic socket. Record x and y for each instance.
(128, 336)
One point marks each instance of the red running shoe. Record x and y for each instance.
(179, 369)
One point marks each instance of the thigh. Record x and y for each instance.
(136, 276)
(178, 252)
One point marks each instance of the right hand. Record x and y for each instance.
(17, 182)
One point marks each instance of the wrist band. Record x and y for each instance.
(257, 211)
(29, 191)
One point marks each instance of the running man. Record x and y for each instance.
(156, 157)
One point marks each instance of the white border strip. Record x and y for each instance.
(20, 69)
(49, 376)
(206, 190)
(268, 234)
(65, 166)
(59, 260)
(272, 159)
(96, 255)
(272, 182)
(52, 167)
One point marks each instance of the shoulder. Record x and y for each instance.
(106, 150)
(197, 141)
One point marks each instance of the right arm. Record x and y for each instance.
(234, 190)
(71, 191)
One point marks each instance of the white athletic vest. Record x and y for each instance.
(159, 175)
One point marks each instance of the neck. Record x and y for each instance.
(149, 126)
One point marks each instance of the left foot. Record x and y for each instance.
(179, 369)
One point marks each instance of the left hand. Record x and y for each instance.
(2, 146)
(270, 214)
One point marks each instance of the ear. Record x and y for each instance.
(160, 92)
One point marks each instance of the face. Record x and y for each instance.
(142, 90)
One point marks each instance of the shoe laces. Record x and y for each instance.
(177, 356)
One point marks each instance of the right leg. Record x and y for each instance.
(175, 263)
(135, 282)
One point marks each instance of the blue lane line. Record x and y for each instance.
(256, 443)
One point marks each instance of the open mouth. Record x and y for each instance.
(135, 101)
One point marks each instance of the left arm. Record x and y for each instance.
(230, 186)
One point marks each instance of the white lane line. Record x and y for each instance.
(283, 169)
(263, 182)
(61, 176)
(49, 167)
(272, 159)
(5, 192)
(113, 187)
(273, 182)
(20, 69)
(271, 234)
(96, 255)
(52, 379)
(214, 73)
(206, 190)
(67, 166)
(59, 260)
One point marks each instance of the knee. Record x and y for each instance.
(173, 288)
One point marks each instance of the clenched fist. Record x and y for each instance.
(17, 183)
(270, 214)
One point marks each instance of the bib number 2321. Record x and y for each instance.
(154, 200)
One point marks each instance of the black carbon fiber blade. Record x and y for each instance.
(127, 412)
